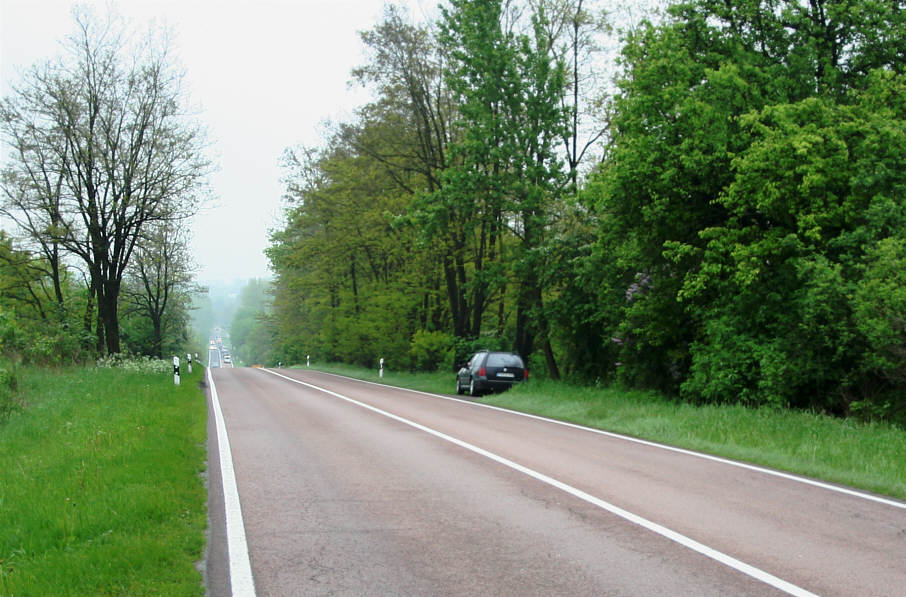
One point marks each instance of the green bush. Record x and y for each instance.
(431, 351)
(463, 348)
(8, 390)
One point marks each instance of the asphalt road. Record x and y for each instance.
(349, 488)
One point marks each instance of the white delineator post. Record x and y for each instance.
(189, 361)
(308, 360)
(175, 371)
(381, 372)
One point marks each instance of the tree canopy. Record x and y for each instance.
(740, 237)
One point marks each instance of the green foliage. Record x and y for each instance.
(804, 252)
(350, 285)
(504, 170)
(431, 351)
(9, 399)
(879, 305)
(754, 186)
(741, 242)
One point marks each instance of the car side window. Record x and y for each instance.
(474, 362)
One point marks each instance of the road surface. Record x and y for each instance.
(350, 488)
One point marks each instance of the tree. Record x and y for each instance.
(32, 329)
(504, 170)
(731, 202)
(158, 284)
(406, 65)
(809, 255)
(576, 32)
(416, 110)
(348, 282)
(33, 193)
(108, 120)
(22, 280)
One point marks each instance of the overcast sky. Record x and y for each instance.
(265, 74)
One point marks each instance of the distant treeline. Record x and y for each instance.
(725, 224)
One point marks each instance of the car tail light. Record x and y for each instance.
(482, 372)
(525, 374)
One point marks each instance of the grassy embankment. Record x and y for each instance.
(101, 490)
(870, 456)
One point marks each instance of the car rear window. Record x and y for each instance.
(504, 360)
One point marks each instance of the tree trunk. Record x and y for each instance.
(57, 283)
(99, 333)
(524, 337)
(158, 340)
(89, 309)
(108, 296)
(544, 330)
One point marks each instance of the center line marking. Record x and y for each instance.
(727, 560)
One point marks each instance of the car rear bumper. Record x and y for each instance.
(495, 385)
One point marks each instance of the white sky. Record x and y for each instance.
(265, 74)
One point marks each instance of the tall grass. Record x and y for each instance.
(870, 456)
(101, 490)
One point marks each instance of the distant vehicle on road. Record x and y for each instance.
(213, 357)
(226, 359)
(489, 371)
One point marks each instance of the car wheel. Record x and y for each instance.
(459, 389)
(473, 391)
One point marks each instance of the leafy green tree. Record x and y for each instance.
(750, 147)
(503, 170)
(816, 220)
(675, 130)
(346, 287)
(32, 327)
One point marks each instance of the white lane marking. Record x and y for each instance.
(241, 582)
(736, 463)
(756, 573)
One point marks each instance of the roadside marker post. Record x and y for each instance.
(381, 372)
(189, 361)
(175, 371)
(308, 360)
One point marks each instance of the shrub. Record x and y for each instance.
(8, 390)
(431, 351)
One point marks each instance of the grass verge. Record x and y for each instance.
(868, 456)
(101, 490)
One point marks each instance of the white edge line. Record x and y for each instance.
(674, 536)
(241, 581)
(628, 438)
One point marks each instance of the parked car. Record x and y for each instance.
(489, 371)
